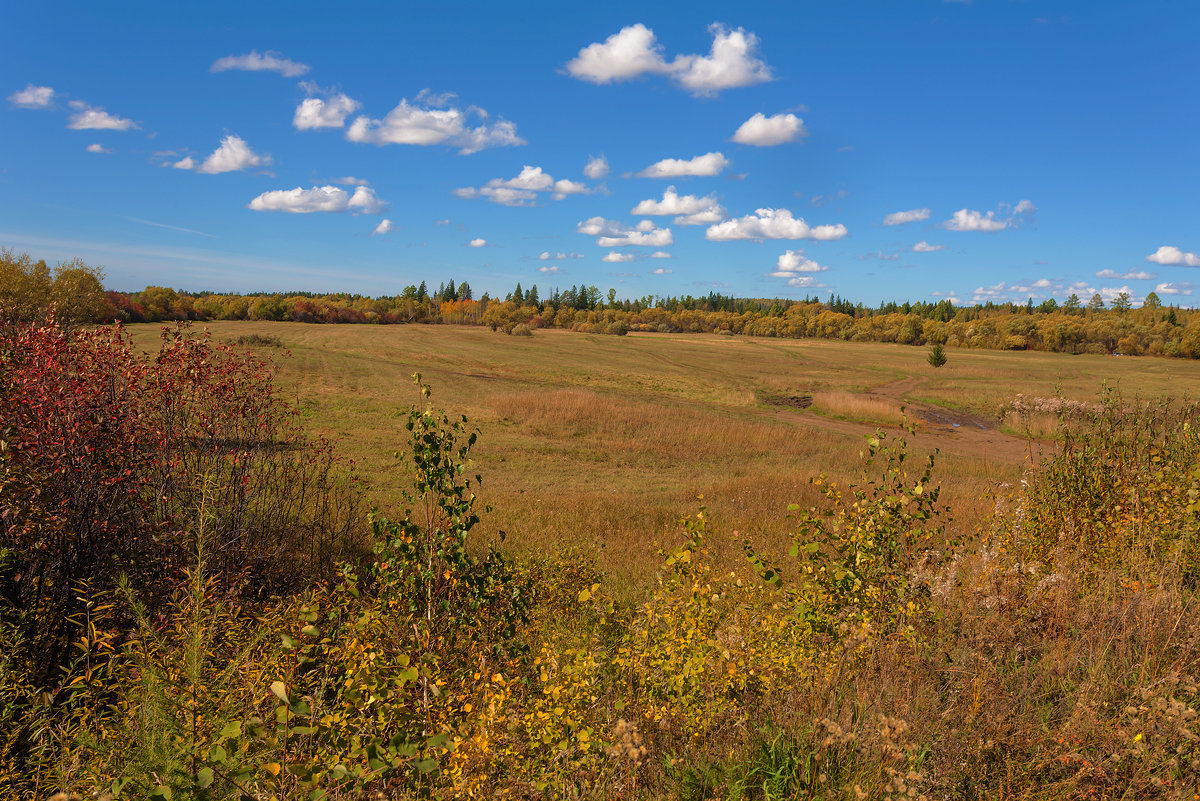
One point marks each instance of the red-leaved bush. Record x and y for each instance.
(115, 463)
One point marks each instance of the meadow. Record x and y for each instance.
(603, 443)
(733, 569)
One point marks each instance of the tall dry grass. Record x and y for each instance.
(860, 408)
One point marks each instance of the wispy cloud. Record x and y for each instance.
(253, 61)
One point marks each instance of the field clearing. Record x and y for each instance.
(602, 442)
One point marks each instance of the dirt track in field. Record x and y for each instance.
(937, 427)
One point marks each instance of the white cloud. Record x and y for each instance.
(805, 281)
(522, 190)
(1169, 255)
(792, 262)
(436, 99)
(1110, 292)
(266, 62)
(313, 112)
(384, 227)
(185, 163)
(478, 242)
(634, 51)
(595, 226)
(663, 271)
(772, 224)
(319, 198)
(967, 220)
(673, 203)
(1182, 288)
(614, 234)
(618, 257)
(879, 254)
(707, 165)
(551, 270)
(33, 97)
(763, 131)
(413, 125)
(1132, 275)
(548, 256)
(596, 168)
(925, 247)
(441, 222)
(532, 178)
(1024, 207)
(631, 52)
(691, 210)
(232, 155)
(94, 118)
(350, 180)
(97, 148)
(657, 237)
(660, 254)
(731, 63)
(901, 217)
(563, 187)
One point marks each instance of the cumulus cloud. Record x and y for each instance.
(318, 198)
(551, 270)
(772, 224)
(384, 227)
(660, 254)
(612, 234)
(522, 190)
(232, 155)
(657, 238)
(731, 63)
(548, 256)
(763, 131)
(350, 180)
(967, 220)
(1168, 255)
(1132, 275)
(478, 242)
(688, 209)
(97, 148)
(185, 163)
(33, 97)
(94, 118)
(902, 217)
(1183, 288)
(596, 167)
(635, 51)
(630, 52)
(314, 112)
(264, 62)
(615, 257)
(409, 124)
(793, 262)
(663, 271)
(925, 247)
(707, 165)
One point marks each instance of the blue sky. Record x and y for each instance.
(993, 149)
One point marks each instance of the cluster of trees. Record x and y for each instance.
(28, 288)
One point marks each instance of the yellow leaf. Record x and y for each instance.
(273, 768)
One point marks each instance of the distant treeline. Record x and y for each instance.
(1071, 327)
(1074, 326)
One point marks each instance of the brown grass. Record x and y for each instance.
(604, 442)
(861, 408)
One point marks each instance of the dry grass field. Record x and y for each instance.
(602, 443)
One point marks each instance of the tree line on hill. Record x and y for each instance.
(1073, 326)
